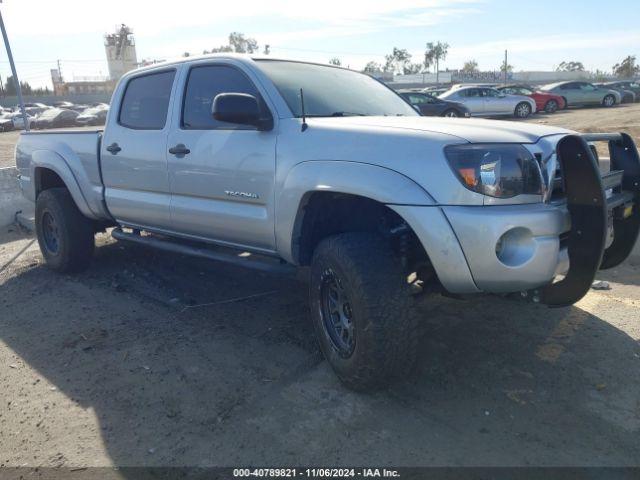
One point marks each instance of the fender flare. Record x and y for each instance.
(374, 182)
(47, 159)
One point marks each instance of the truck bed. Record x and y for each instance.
(74, 156)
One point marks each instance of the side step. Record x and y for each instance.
(220, 254)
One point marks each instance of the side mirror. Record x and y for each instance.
(239, 108)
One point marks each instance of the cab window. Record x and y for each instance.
(146, 101)
(203, 84)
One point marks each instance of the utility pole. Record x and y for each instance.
(505, 66)
(16, 81)
(59, 70)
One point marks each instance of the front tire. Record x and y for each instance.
(608, 101)
(65, 236)
(551, 106)
(362, 310)
(523, 110)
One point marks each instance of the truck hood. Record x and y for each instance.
(471, 130)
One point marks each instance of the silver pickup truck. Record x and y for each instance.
(316, 166)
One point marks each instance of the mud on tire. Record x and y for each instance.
(376, 297)
(65, 236)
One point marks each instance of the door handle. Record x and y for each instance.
(113, 148)
(179, 149)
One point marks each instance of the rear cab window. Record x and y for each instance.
(145, 102)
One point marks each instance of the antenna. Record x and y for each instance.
(304, 115)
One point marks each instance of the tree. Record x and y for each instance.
(372, 67)
(335, 61)
(570, 67)
(433, 54)
(10, 88)
(400, 62)
(506, 68)
(470, 66)
(238, 43)
(627, 68)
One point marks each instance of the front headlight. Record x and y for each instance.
(497, 170)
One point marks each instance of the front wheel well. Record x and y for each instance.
(323, 214)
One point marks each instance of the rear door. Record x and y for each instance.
(473, 99)
(223, 188)
(133, 152)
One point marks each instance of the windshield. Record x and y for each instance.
(330, 91)
(51, 113)
(94, 111)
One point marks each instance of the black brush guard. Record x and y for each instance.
(591, 209)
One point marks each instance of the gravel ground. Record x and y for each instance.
(155, 359)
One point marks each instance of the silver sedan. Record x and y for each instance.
(486, 101)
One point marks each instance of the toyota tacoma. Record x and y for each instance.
(307, 165)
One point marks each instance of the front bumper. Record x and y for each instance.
(523, 248)
(512, 248)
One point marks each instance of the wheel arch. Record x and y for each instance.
(312, 186)
(49, 170)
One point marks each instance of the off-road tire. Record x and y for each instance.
(382, 310)
(74, 232)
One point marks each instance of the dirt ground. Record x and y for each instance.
(155, 359)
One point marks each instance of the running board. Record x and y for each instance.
(230, 256)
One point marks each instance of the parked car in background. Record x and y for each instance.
(435, 91)
(583, 93)
(430, 106)
(93, 116)
(18, 120)
(55, 118)
(63, 104)
(33, 109)
(547, 102)
(628, 96)
(6, 124)
(633, 85)
(484, 101)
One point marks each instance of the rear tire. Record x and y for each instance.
(451, 113)
(566, 103)
(608, 101)
(551, 106)
(65, 236)
(362, 310)
(523, 110)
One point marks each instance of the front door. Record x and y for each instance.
(133, 153)
(221, 174)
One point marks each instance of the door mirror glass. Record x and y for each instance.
(238, 108)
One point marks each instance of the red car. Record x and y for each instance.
(544, 101)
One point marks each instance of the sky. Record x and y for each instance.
(538, 34)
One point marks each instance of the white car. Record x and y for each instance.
(18, 120)
(486, 101)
